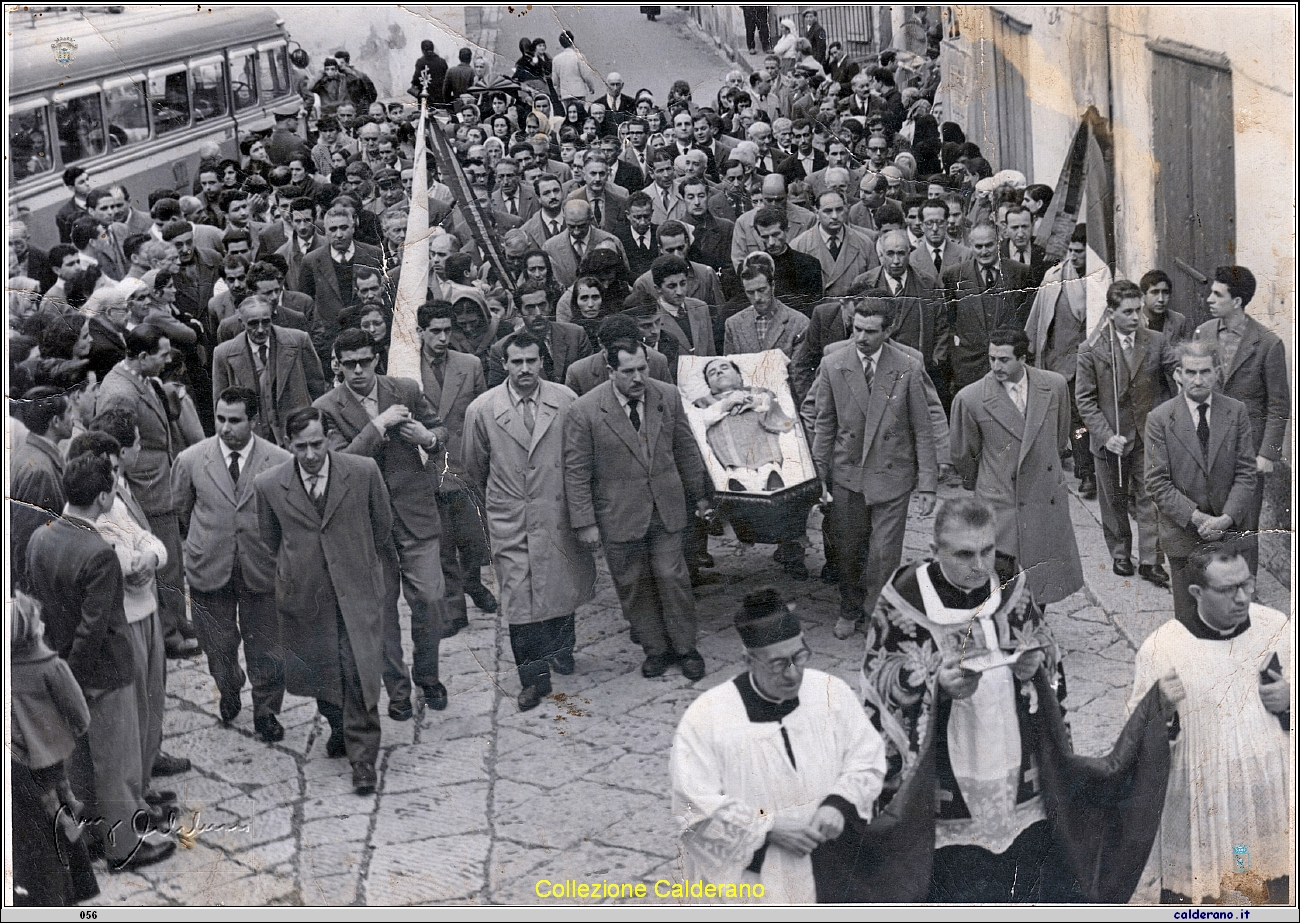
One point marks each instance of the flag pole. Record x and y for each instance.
(413, 286)
(1114, 377)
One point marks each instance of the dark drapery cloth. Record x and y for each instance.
(889, 859)
(1105, 811)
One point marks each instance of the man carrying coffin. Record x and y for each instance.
(773, 764)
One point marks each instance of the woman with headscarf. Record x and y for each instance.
(575, 113)
(61, 359)
(587, 302)
(537, 268)
(377, 323)
(474, 328)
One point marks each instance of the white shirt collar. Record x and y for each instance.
(323, 473)
(227, 451)
(874, 358)
(516, 398)
(346, 257)
(1192, 405)
(623, 399)
(371, 395)
(895, 284)
(1019, 388)
(826, 237)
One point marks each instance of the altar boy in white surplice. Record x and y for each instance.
(1227, 806)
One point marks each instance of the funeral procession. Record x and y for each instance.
(651, 457)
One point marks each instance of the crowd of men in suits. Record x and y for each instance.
(242, 470)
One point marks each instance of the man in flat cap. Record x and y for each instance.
(773, 764)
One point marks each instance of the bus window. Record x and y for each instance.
(274, 72)
(170, 100)
(128, 112)
(208, 79)
(29, 143)
(243, 71)
(80, 125)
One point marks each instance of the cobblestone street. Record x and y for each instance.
(477, 803)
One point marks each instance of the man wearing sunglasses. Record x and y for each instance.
(773, 764)
(391, 421)
(278, 363)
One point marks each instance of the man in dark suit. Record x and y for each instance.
(36, 470)
(983, 293)
(639, 236)
(451, 381)
(631, 468)
(805, 160)
(873, 446)
(562, 343)
(1253, 364)
(619, 106)
(76, 577)
(305, 239)
(326, 274)
(1124, 369)
(1201, 466)
(229, 571)
(1020, 247)
(798, 279)
(608, 209)
(921, 320)
(327, 518)
(390, 420)
(585, 374)
(276, 362)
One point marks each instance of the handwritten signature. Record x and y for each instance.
(141, 825)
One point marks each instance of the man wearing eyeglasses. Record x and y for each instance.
(278, 363)
(391, 421)
(770, 766)
(1226, 664)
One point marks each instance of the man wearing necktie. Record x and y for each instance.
(391, 421)
(228, 569)
(1009, 433)
(1123, 372)
(278, 363)
(983, 294)
(1200, 466)
(632, 466)
(513, 453)
(327, 518)
(1019, 245)
(873, 446)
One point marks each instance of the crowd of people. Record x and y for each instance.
(209, 453)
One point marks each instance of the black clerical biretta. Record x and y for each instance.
(765, 618)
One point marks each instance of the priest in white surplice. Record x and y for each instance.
(768, 766)
(1228, 669)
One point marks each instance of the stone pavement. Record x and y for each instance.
(477, 803)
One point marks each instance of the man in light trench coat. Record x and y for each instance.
(513, 451)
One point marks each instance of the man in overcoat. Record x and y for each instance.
(1010, 431)
(513, 452)
(326, 517)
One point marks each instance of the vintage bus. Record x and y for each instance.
(146, 89)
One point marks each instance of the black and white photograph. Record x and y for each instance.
(651, 458)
